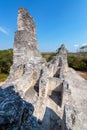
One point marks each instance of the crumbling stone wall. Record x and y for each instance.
(33, 78)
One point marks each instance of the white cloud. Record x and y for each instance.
(3, 30)
(85, 44)
(76, 45)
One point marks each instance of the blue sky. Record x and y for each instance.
(57, 22)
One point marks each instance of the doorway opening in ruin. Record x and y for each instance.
(60, 61)
(56, 95)
(36, 86)
(57, 74)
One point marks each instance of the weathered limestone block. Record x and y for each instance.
(25, 21)
(62, 54)
(54, 84)
(58, 65)
(41, 108)
(28, 80)
(35, 80)
(53, 66)
(16, 72)
(44, 82)
(69, 118)
(25, 46)
(27, 60)
(66, 93)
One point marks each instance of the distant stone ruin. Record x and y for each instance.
(34, 81)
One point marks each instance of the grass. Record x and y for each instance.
(48, 56)
(3, 77)
(81, 55)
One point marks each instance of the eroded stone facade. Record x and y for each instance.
(37, 82)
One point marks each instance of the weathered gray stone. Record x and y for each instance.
(30, 74)
(15, 113)
(44, 85)
(58, 65)
(62, 54)
(69, 118)
(27, 60)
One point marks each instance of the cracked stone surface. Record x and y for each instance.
(50, 96)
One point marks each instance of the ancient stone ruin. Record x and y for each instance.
(37, 95)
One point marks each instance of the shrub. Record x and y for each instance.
(77, 63)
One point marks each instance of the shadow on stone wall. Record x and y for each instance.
(56, 95)
(57, 74)
(51, 120)
(15, 113)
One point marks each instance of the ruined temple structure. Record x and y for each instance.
(38, 95)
